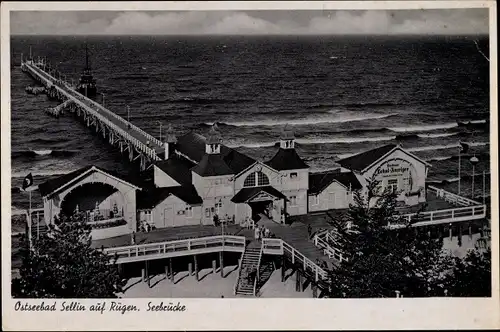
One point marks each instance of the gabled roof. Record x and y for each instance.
(192, 145)
(363, 160)
(53, 185)
(151, 197)
(212, 165)
(178, 168)
(246, 194)
(321, 180)
(286, 159)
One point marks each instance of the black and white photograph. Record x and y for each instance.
(251, 154)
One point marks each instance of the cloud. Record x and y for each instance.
(444, 21)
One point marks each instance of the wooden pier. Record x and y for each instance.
(118, 131)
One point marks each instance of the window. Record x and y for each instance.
(293, 200)
(189, 211)
(250, 181)
(256, 179)
(263, 180)
(392, 184)
(207, 213)
(218, 206)
(407, 182)
(293, 175)
(147, 215)
(315, 200)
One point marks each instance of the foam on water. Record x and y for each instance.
(312, 120)
(424, 127)
(436, 135)
(42, 152)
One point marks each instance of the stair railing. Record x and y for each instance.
(257, 274)
(239, 271)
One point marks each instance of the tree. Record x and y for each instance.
(63, 264)
(382, 260)
(471, 275)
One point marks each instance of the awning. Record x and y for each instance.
(247, 194)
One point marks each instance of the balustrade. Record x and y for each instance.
(220, 242)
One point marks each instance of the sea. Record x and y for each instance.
(340, 94)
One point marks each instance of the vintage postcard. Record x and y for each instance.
(249, 165)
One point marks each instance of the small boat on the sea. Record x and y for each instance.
(87, 84)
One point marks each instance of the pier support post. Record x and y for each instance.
(148, 279)
(190, 269)
(120, 269)
(214, 266)
(143, 272)
(450, 231)
(196, 268)
(314, 290)
(470, 231)
(166, 271)
(459, 234)
(298, 281)
(283, 268)
(130, 152)
(171, 270)
(221, 259)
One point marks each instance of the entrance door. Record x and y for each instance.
(168, 217)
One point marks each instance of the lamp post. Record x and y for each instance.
(160, 128)
(474, 162)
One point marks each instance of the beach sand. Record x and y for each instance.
(211, 285)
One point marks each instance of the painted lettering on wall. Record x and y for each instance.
(393, 168)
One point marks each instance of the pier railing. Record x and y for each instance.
(141, 252)
(81, 101)
(280, 247)
(451, 197)
(323, 240)
(442, 216)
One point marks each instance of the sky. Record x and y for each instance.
(288, 22)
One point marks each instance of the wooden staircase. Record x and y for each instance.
(248, 269)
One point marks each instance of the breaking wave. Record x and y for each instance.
(308, 141)
(344, 140)
(42, 152)
(436, 135)
(424, 127)
(302, 122)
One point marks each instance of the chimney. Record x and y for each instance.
(170, 140)
(165, 146)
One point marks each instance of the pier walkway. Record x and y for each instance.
(119, 130)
